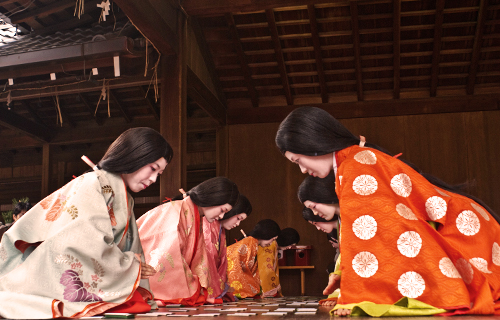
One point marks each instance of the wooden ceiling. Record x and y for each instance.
(340, 53)
(354, 58)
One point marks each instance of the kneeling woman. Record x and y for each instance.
(172, 238)
(77, 252)
(215, 243)
(267, 258)
(242, 266)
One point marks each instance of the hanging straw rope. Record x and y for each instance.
(102, 96)
(79, 8)
(58, 109)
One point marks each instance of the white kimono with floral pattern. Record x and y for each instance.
(75, 253)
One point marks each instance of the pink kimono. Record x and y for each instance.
(215, 243)
(173, 244)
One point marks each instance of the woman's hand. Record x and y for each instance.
(147, 270)
(333, 284)
(328, 303)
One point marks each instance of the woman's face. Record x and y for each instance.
(324, 210)
(145, 176)
(326, 227)
(267, 243)
(215, 212)
(316, 166)
(234, 221)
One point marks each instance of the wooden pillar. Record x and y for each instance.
(61, 171)
(173, 124)
(45, 170)
(222, 142)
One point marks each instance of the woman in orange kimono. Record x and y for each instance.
(242, 265)
(215, 243)
(267, 257)
(173, 241)
(427, 247)
(77, 252)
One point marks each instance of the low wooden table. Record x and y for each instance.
(302, 275)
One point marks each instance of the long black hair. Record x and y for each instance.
(213, 192)
(20, 207)
(287, 237)
(135, 148)
(265, 230)
(318, 190)
(242, 206)
(312, 131)
(309, 215)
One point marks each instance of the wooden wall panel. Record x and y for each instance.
(482, 131)
(455, 147)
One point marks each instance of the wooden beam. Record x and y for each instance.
(222, 147)
(356, 47)
(219, 7)
(72, 88)
(146, 18)
(243, 60)
(16, 122)
(119, 106)
(436, 53)
(42, 12)
(152, 107)
(476, 51)
(98, 119)
(173, 114)
(204, 98)
(396, 25)
(208, 59)
(271, 20)
(311, 11)
(34, 70)
(367, 109)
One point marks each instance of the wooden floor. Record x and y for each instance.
(259, 307)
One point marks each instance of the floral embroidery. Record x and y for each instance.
(405, 212)
(411, 284)
(77, 290)
(448, 268)
(365, 227)
(401, 185)
(74, 290)
(481, 211)
(495, 250)
(230, 264)
(243, 249)
(435, 207)
(365, 185)
(366, 157)
(480, 264)
(210, 291)
(409, 244)
(365, 264)
(465, 270)
(468, 223)
(236, 285)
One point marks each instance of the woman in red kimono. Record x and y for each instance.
(215, 243)
(173, 241)
(427, 247)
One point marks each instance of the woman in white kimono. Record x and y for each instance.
(77, 252)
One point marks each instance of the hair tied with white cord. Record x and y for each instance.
(362, 141)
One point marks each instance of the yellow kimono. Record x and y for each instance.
(267, 258)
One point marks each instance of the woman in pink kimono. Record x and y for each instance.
(172, 237)
(77, 252)
(215, 242)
